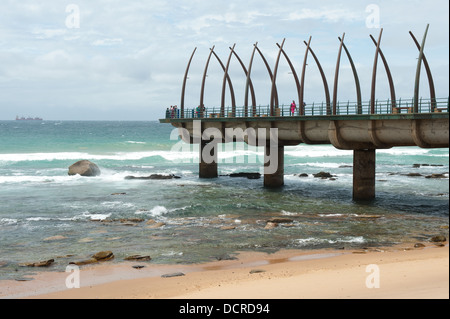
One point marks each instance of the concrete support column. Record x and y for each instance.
(273, 165)
(208, 160)
(364, 174)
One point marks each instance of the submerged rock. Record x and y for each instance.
(131, 220)
(153, 176)
(323, 175)
(226, 257)
(279, 220)
(155, 225)
(413, 174)
(247, 175)
(436, 176)
(57, 237)
(270, 225)
(84, 168)
(228, 227)
(438, 238)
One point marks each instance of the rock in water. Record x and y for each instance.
(44, 263)
(138, 258)
(153, 176)
(438, 238)
(323, 175)
(103, 255)
(84, 168)
(248, 175)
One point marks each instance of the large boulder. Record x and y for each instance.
(84, 168)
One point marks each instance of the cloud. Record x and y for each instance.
(325, 14)
(107, 42)
(48, 33)
(134, 54)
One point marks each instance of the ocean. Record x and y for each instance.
(47, 214)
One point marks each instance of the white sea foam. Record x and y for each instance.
(88, 215)
(158, 211)
(318, 241)
(37, 179)
(337, 215)
(118, 156)
(8, 221)
(322, 164)
(172, 253)
(316, 151)
(286, 213)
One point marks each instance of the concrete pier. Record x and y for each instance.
(364, 174)
(363, 133)
(273, 165)
(208, 160)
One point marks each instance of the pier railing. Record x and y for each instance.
(315, 109)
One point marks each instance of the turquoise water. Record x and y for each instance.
(38, 200)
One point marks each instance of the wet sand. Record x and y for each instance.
(396, 272)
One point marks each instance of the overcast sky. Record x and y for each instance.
(125, 60)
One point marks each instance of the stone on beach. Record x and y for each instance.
(84, 168)
(174, 274)
(225, 257)
(84, 262)
(44, 263)
(256, 271)
(137, 258)
(103, 255)
(100, 256)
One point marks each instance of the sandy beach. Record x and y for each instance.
(397, 273)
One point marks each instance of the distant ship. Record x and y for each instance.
(28, 118)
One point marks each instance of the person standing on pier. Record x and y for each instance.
(293, 107)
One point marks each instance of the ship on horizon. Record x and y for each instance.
(22, 118)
